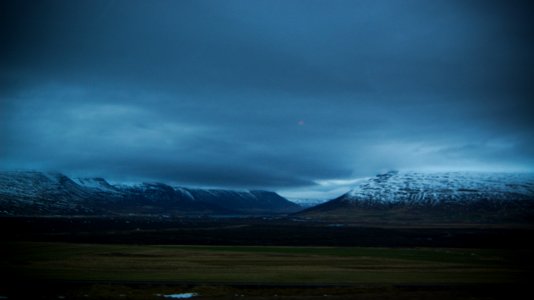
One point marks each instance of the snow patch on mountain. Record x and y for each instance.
(96, 183)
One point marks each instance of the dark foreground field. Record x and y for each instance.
(140, 258)
(261, 231)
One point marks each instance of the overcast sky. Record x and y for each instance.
(300, 97)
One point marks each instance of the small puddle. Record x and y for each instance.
(181, 296)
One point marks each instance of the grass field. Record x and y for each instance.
(120, 265)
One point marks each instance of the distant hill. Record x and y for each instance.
(40, 193)
(411, 197)
(306, 203)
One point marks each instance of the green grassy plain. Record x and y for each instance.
(262, 265)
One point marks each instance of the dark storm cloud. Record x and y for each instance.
(272, 94)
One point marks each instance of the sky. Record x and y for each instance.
(299, 97)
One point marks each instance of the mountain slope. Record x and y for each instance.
(39, 193)
(434, 197)
(42, 193)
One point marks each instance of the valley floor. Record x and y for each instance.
(77, 271)
(80, 258)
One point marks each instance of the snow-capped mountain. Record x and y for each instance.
(445, 194)
(40, 193)
(447, 187)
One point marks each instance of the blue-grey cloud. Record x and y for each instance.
(271, 94)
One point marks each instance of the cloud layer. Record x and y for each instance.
(283, 95)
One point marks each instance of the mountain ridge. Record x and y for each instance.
(46, 193)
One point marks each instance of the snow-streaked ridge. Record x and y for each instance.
(96, 183)
(28, 192)
(433, 188)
